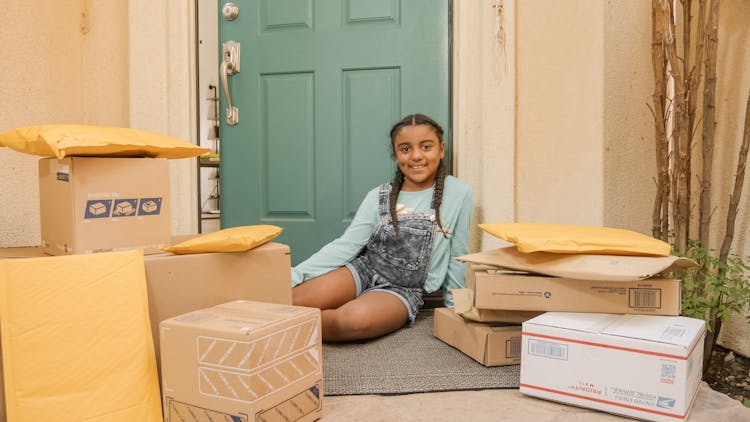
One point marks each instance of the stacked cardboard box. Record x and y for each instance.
(99, 204)
(243, 361)
(178, 284)
(599, 331)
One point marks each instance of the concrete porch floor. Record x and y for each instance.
(505, 405)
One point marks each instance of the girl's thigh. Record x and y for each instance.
(328, 291)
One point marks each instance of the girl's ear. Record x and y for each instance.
(442, 149)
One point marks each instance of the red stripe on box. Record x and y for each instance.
(578, 396)
(608, 346)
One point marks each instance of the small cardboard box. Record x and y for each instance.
(243, 361)
(98, 204)
(497, 289)
(488, 344)
(642, 366)
(178, 284)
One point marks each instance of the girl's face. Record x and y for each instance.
(418, 153)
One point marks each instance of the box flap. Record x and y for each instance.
(676, 330)
(463, 304)
(585, 322)
(581, 266)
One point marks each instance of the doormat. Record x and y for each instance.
(410, 360)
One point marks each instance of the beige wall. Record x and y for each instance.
(93, 62)
(551, 126)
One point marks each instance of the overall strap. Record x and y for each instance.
(383, 200)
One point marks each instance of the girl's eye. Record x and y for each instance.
(404, 149)
(426, 147)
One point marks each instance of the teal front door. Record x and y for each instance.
(319, 85)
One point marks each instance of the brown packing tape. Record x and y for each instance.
(580, 266)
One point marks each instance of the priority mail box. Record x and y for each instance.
(178, 284)
(506, 279)
(488, 344)
(97, 204)
(243, 361)
(497, 289)
(642, 366)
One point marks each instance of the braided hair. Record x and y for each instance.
(398, 179)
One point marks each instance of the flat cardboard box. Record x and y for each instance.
(463, 304)
(178, 284)
(99, 204)
(507, 290)
(243, 361)
(642, 366)
(488, 344)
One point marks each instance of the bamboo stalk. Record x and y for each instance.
(658, 59)
(709, 123)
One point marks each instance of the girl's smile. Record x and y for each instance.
(418, 153)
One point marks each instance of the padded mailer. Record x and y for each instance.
(76, 339)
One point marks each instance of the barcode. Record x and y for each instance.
(672, 332)
(513, 347)
(645, 298)
(668, 371)
(548, 349)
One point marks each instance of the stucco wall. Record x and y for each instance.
(44, 70)
(93, 62)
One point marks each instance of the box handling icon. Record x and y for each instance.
(125, 208)
(98, 208)
(149, 206)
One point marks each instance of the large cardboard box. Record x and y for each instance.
(498, 289)
(643, 366)
(97, 204)
(178, 284)
(488, 344)
(243, 361)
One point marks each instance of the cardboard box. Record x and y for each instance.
(463, 304)
(641, 366)
(243, 361)
(98, 204)
(497, 289)
(178, 284)
(488, 344)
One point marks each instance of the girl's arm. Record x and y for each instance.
(459, 245)
(340, 251)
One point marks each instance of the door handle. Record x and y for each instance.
(230, 65)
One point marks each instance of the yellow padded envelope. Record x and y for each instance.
(76, 339)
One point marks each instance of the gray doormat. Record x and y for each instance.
(410, 360)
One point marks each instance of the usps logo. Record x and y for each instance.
(665, 402)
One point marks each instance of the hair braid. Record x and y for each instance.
(437, 195)
(396, 184)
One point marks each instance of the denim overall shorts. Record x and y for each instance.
(397, 266)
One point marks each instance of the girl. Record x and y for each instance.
(401, 242)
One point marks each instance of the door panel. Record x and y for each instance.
(320, 84)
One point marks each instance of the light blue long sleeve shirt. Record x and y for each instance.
(444, 271)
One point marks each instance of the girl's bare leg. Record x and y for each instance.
(328, 291)
(372, 314)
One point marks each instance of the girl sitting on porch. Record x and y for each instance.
(400, 244)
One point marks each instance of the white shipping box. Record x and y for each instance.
(642, 366)
(243, 361)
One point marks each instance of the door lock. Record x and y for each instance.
(230, 65)
(230, 11)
